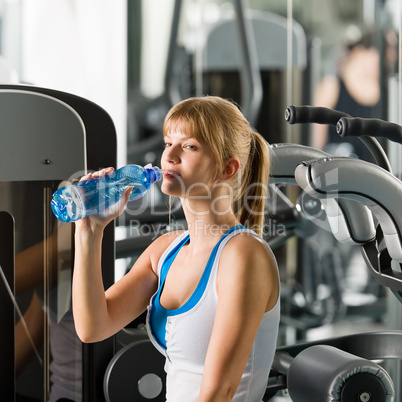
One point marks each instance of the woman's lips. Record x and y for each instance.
(171, 174)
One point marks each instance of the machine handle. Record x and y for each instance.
(356, 126)
(323, 115)
(312, 114)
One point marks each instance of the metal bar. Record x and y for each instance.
(7, 321)
(250, 76)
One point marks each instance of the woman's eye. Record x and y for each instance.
(167, 144)
(188, 146)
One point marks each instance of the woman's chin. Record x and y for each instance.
(171, 190)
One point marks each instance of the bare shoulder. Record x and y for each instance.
(167, 238)
(248, 263)
(159, 246)
(247, 247)
(327, 92)
(329, 82)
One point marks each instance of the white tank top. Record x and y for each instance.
(188, 334)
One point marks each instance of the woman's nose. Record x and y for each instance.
(171, 155)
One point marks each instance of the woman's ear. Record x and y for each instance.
(232, 166)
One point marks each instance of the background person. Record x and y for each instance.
(354, 89)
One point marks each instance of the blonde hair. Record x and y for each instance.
(220, 124)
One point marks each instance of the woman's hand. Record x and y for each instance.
(99, 221)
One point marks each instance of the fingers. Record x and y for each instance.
(124, 199)
(127, 193)
(114, 210)
(102, 172)
(103, 218)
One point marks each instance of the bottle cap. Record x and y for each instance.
(154, 174)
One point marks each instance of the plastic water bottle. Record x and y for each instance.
(88, 197)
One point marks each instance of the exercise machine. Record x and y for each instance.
(47, 136)
(342, 369)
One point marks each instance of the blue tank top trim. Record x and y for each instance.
(158, 314)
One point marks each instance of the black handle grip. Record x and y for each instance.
(313, 114)
(355, 127)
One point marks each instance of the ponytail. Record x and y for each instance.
(249, 205)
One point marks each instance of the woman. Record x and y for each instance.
(212, 292)
(355, 90)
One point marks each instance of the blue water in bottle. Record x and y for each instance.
(89, 197)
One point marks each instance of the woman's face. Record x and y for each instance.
(189, 167)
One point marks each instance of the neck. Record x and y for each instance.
(208, 222)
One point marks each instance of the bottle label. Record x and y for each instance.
(75, 207)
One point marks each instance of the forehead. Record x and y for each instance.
(185, 128)
(175, 133)
(179, 124)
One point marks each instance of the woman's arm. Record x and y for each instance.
(247, 285)
(326, 95)
(99, 314)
